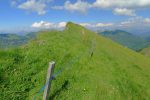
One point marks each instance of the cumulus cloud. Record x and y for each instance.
(124, 11)
(33, 6)
(80, 6)
(131, 23)
(96, 25)
(38, 6)
(42, 24)
(122, 7)
(61, 25)
(104, 24)
(122, 3)
(135, 22)
(119, 7)
(48, 25)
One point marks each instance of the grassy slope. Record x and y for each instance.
(113, 73)
(146, 51)
(126, 39)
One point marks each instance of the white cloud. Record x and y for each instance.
(124, 23)
(42, 24)
(135, 22)
(124, 11)
(119, 7)
(121, 3)
(96, 25)
(122, 7)
(61, 24)
(38, 6)
(104, 24)
(80, 6)
(48, 25)
(131, 21)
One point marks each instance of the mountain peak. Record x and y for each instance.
(91, 62)
(71, 25)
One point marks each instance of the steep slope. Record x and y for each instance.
(146, 51)
(126, 39)
(94, 68)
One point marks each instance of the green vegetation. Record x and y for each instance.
(146, 51)
(13, 40)
(145, 36)
(127, 39)
(112, 73)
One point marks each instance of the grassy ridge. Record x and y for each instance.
(127, 39)
(112, 73)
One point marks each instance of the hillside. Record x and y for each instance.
(126, 39)
(146, 36)
(146, 51)
(111, 73)
(13, 40)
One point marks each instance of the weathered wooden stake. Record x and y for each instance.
(48, 80)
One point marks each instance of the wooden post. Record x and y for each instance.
(48, 80)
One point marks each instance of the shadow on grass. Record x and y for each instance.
(63, 87)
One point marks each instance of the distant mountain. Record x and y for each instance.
(146, 36)
(13, 40)
(88, 67)
(126, 39)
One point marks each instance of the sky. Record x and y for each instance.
(30, 15)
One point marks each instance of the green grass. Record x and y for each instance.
(129, 40)
(146, 51)
(112, 73)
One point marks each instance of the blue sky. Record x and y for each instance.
(25, 15)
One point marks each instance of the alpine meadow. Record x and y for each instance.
(113, 72)
(74, 50)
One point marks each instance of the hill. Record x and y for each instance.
(146, 51)
(126, 39)
(145, 36)
(13, 40)
(94, 68)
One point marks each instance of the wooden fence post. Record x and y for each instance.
(48, 80)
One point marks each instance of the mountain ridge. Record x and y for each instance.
(113, 72)
(126, 39)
